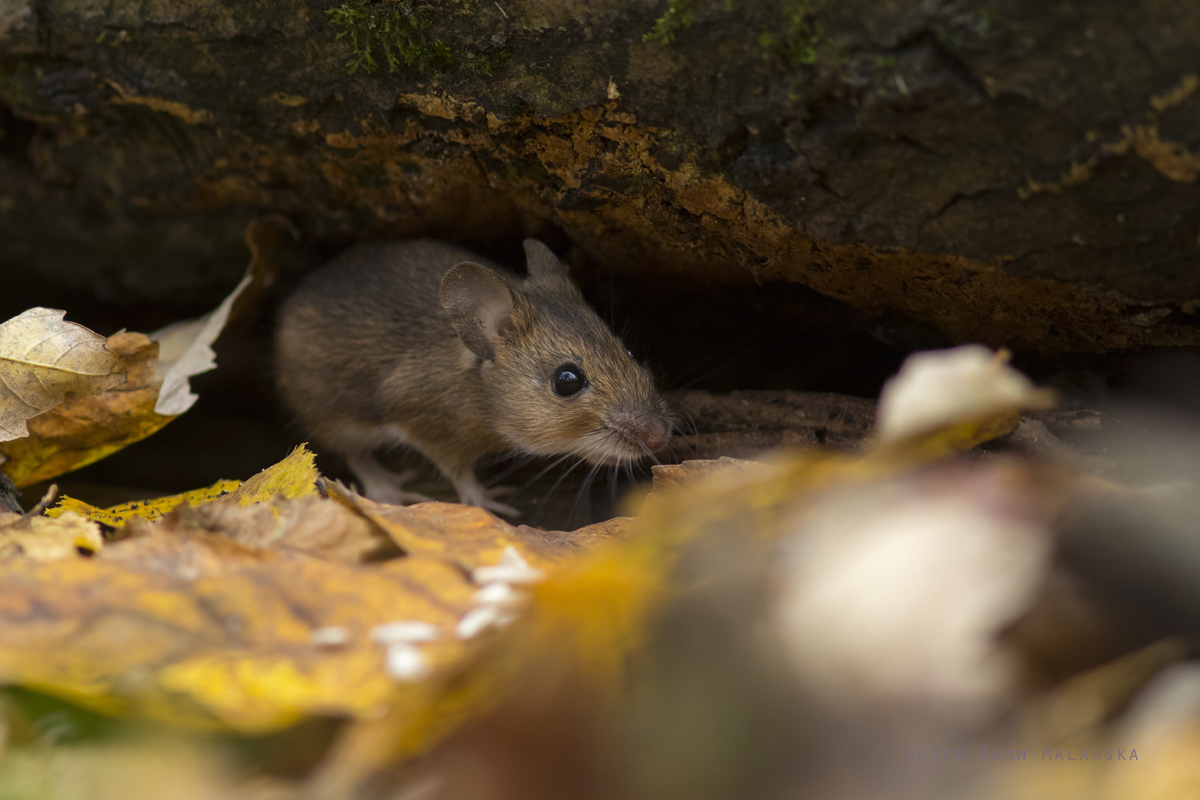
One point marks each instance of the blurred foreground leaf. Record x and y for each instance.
(188, 628)
(46, 539)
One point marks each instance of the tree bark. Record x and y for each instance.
(1019, 172)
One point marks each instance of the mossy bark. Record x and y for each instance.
(1019, 172)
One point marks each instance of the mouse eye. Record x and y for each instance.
(629, 352)
(568, 380)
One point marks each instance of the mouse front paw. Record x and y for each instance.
(382, 485)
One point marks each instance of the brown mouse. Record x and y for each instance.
(425, 344)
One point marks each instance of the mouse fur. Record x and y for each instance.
(426, 344)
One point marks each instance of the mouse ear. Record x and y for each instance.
(542, 262)
(480, 305)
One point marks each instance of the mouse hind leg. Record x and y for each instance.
(460, 472)
(357, 443)
(380, 484)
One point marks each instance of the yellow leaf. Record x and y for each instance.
(295, 476)
(41, 359)
(190, 629)
(119, 515)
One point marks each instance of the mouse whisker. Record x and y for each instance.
(650, 454)
(537, 477)
(612, 489)
(565, 473)
(584, 489)
(687, 422)
(519, 461)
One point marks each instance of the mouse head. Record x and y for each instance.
(557, 379)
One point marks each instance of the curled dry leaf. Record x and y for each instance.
(185, 348)
(295, 476)
(42, 358)
(83, 430)
(966, 395)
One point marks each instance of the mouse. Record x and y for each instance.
(424, 344)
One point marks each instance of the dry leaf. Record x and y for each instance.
(942, 390)
(175, 623)
(155, 389)
(185, 347)
(45, 539)
(192, 629)
(83, 430)
(295, 476)
(863, 568)
(323, 528)
(118, 516)
(466, 535)
(41, 359)
(184, 351)
(670, 476)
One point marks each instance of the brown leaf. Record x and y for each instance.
(323, 528)
(42, 358)
(466, 535)
(83, 430)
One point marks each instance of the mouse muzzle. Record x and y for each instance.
(639, 433)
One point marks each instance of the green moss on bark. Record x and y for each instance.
(393, 32)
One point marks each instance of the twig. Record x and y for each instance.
(44, 503)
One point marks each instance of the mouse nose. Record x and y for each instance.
(653, 433)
